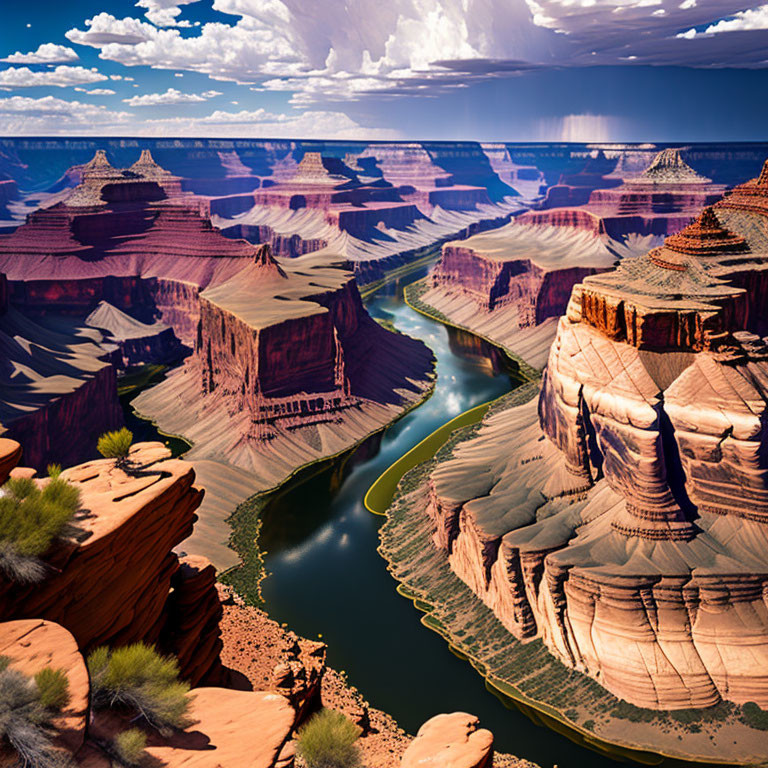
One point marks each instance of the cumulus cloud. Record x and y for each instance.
(21, 115)
(46, 53)
(61, 77)
(164, 13)
(99, 92)
(171, 96)
(337, 50)
(757, 18)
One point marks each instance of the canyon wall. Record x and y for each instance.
(624, 525)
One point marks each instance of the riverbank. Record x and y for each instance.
(254, 644)
(564, 699)
(413, 298)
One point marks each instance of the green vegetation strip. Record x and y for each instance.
(380, 494)
(524, 675)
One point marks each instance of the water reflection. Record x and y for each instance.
(326, 577)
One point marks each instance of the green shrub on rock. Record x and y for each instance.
(754, 716)
(116, 445)
(137, 678)
(27, 709)
(31, 518)
(129, 747)
(328, 741)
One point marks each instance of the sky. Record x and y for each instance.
(483, 70)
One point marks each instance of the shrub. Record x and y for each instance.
(138, 678)
(328, 741)
(53, 686)
(755, 717)
(27, 709)
(116, 445)
(31, 518)
(128, 747)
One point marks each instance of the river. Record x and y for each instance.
(326, 578)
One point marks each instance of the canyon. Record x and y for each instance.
(282, 371)
(622, 529)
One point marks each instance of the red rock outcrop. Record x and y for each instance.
(32, 645)
(508, 283)
(136, 342)
(280, 351)
(625, 525)
(660, 201)
(450, 741)
(112, 583)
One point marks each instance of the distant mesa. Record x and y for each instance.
(385, 209)
(660, 201)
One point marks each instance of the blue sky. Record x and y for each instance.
(515, 70)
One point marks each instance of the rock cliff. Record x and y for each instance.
(510, 285)
(624, 525)
(117, 581)
(54, 381)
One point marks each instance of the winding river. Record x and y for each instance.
(326, 578)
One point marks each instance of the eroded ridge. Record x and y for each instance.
(623, 518)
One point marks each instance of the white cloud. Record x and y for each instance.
(61, 77)
(756, 18)
(46, 53)
(164, 13)
(99, 92)
(335, 50)
(21, 115)
(171, 96)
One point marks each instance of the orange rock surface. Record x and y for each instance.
(450, 741)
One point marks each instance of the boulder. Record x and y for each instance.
(450, 741)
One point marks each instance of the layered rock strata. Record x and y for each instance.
(54, 380)
(625, 525)
(385, 209)
(136, 342)
(510, 285)
(660, 201)
(117, 580)
(283, 370)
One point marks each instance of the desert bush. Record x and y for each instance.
(27, 709)
(754, 716)
(136, 677)
(328, 741)
(129, 747)
(31, 518)
(116, 445)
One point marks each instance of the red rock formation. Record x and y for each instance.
(54, 383)
(515, 278)
(111, 585)
(450, 741)
(136, 342)
(660, 201)
(32, 645)
(631, 538)
(10, 456)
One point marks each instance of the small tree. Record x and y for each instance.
(31, 518)
(328, 741)
(28, 707)
(137, 678)
(117, 446)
